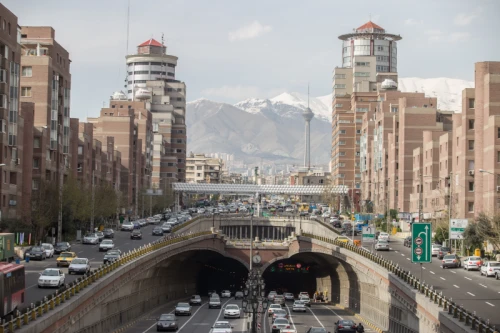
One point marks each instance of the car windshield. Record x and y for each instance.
(50, 272)
(495, 264)
(383, 242)
(304, 297)
(107, 241)
(79, 262)
(214, 299)
(298, 303)
(136, 232)
(222, 325)
(91, 235)
(346, 323)
(182, 305)
(127, 223)
(232, 307)
(196, 297)
(113, 252)
(445, 249)
(279, 312)
(168, 317)
(66, 254)
(61, 244)
(474, 258)
(108, 230)
(46, 246)
(317, 330)
(281, 321)
(436, 246)
(450, 256)
(275, 306)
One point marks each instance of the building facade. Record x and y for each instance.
(203, 169)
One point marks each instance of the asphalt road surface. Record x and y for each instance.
(33, 268)
(203, 318)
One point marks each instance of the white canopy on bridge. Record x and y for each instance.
(263, 189)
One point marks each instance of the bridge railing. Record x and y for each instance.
(58, 299)
(461, 314)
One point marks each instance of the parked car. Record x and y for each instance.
(491, 268)
(112, 255)
(90, 239)
(183, 308)
(472, 262)
(62, 247)
(65, 258)
(136, 234)
(345, 326)
(109, 233)
(79, 266)
(51, 277)
(106, 245)
(49, 250)
(451, 260)
(407, 241)
(127, 226)
(195, 300)
(167, 322)
(38, 253)
(444, 250)
(232, 311)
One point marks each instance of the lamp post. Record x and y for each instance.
(254, 300)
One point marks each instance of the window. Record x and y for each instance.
(361, 74)
(394, 109)
(141, 72)
(342, 143)
(362, 64)
(27, 71)
(498, 156)
(362, 109)
(179, 99)
(25, 91)
(179, 89)
(342, 131)
(472, 103)
(342, 153)
(471, 124)
(36, 143)
(471, 186)
(80, 150)
(471, 207)
(471, 144)
(170, 74)
(498, 132)
(471, 164)
(339, 86)
(36, 163)
(338, 105)
(358, 131)
(340, 76)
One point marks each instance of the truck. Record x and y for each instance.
(7, 242)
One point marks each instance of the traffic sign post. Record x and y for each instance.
(457, 228)
(421, 244)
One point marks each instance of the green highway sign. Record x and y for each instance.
(368, 234)
(421, 243)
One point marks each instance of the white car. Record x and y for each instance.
(384, 236)
(289, 209)
(106, 245)
(472, 263)
(201, 211)
(225, 293)
(127, 226)
(491, 268)
(382, 245)
(306, 300)
(79, 266)
(298, 306)
(90, 239)
(51, 277)
(222, 327)
(49, 250)
(232, 311)
(435, 249)
(273, 307)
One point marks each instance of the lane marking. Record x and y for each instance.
(80, 252)
(482, 285)
(333, 312)
(442, 278)
(471, 294)
(191, 317)
(453, 272)
(402, 254)
(456, 286)
(432, 272)
(468, 278)
(290, 316)
(407, 258)
(155, 323)
(32, 286)
(220, 312)
(423, 267)
(310, 309)
(489, 304)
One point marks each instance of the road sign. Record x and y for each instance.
(421, 242)
(457, 228)
(368, 234)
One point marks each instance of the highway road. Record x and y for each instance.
(203, 318)
(33, 268)
(468, 288)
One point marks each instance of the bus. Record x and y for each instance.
(12, 287)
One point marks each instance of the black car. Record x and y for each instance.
(195, 300)
(157, 231)
(167, 322)
(336, 224)
(166, 227)
(344, 326)
(317, 330)
(136, 234)
(62, 247)
(111, 256)
(109, 233)
(37, 252)
(407, 241)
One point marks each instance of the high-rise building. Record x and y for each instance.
(369, 57)
(308, 116)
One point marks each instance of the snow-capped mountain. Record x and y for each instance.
(273, 129)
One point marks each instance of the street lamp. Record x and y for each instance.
(254, 300)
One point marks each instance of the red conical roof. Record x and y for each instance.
(151, 42)
(370, 25)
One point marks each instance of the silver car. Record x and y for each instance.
(382, 245)
(298, 306)
(183, 309)
(79, 266)
(214, 302)
(106, 245)
(279, 324)
(90, 239)
(127, 226)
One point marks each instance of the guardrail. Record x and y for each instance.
(54, 301)
(458, 312)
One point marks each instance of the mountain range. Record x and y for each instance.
(273, 129)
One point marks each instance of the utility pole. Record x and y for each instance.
(59, 215)
(420, 199)
(92, 204)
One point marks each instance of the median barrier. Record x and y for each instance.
(54, 301)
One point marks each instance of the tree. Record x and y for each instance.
(472, 238)
(44, 208)
(105, 202)
(329, 197)
(442, 232)
(488, 229)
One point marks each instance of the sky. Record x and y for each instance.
(232, 50)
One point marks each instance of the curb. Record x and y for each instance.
(366, 322)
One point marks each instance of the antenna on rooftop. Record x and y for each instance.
(128, 25)
(308, 95)
(162, 47)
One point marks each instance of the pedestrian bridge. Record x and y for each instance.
(205, 257)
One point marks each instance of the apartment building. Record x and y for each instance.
(203, 169)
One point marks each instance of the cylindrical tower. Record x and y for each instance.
(371, 40)
(150, 63)
(308, 116)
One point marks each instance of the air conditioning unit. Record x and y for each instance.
(471, 172)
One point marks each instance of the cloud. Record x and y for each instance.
(434, 35)
(466, 18)
(459, 36)
(412, 21)
(438, 35)
(253, 30)
(239, 93)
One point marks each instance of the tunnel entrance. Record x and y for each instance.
(291, 275)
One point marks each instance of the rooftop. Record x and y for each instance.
(369, 26)
(151, 42)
